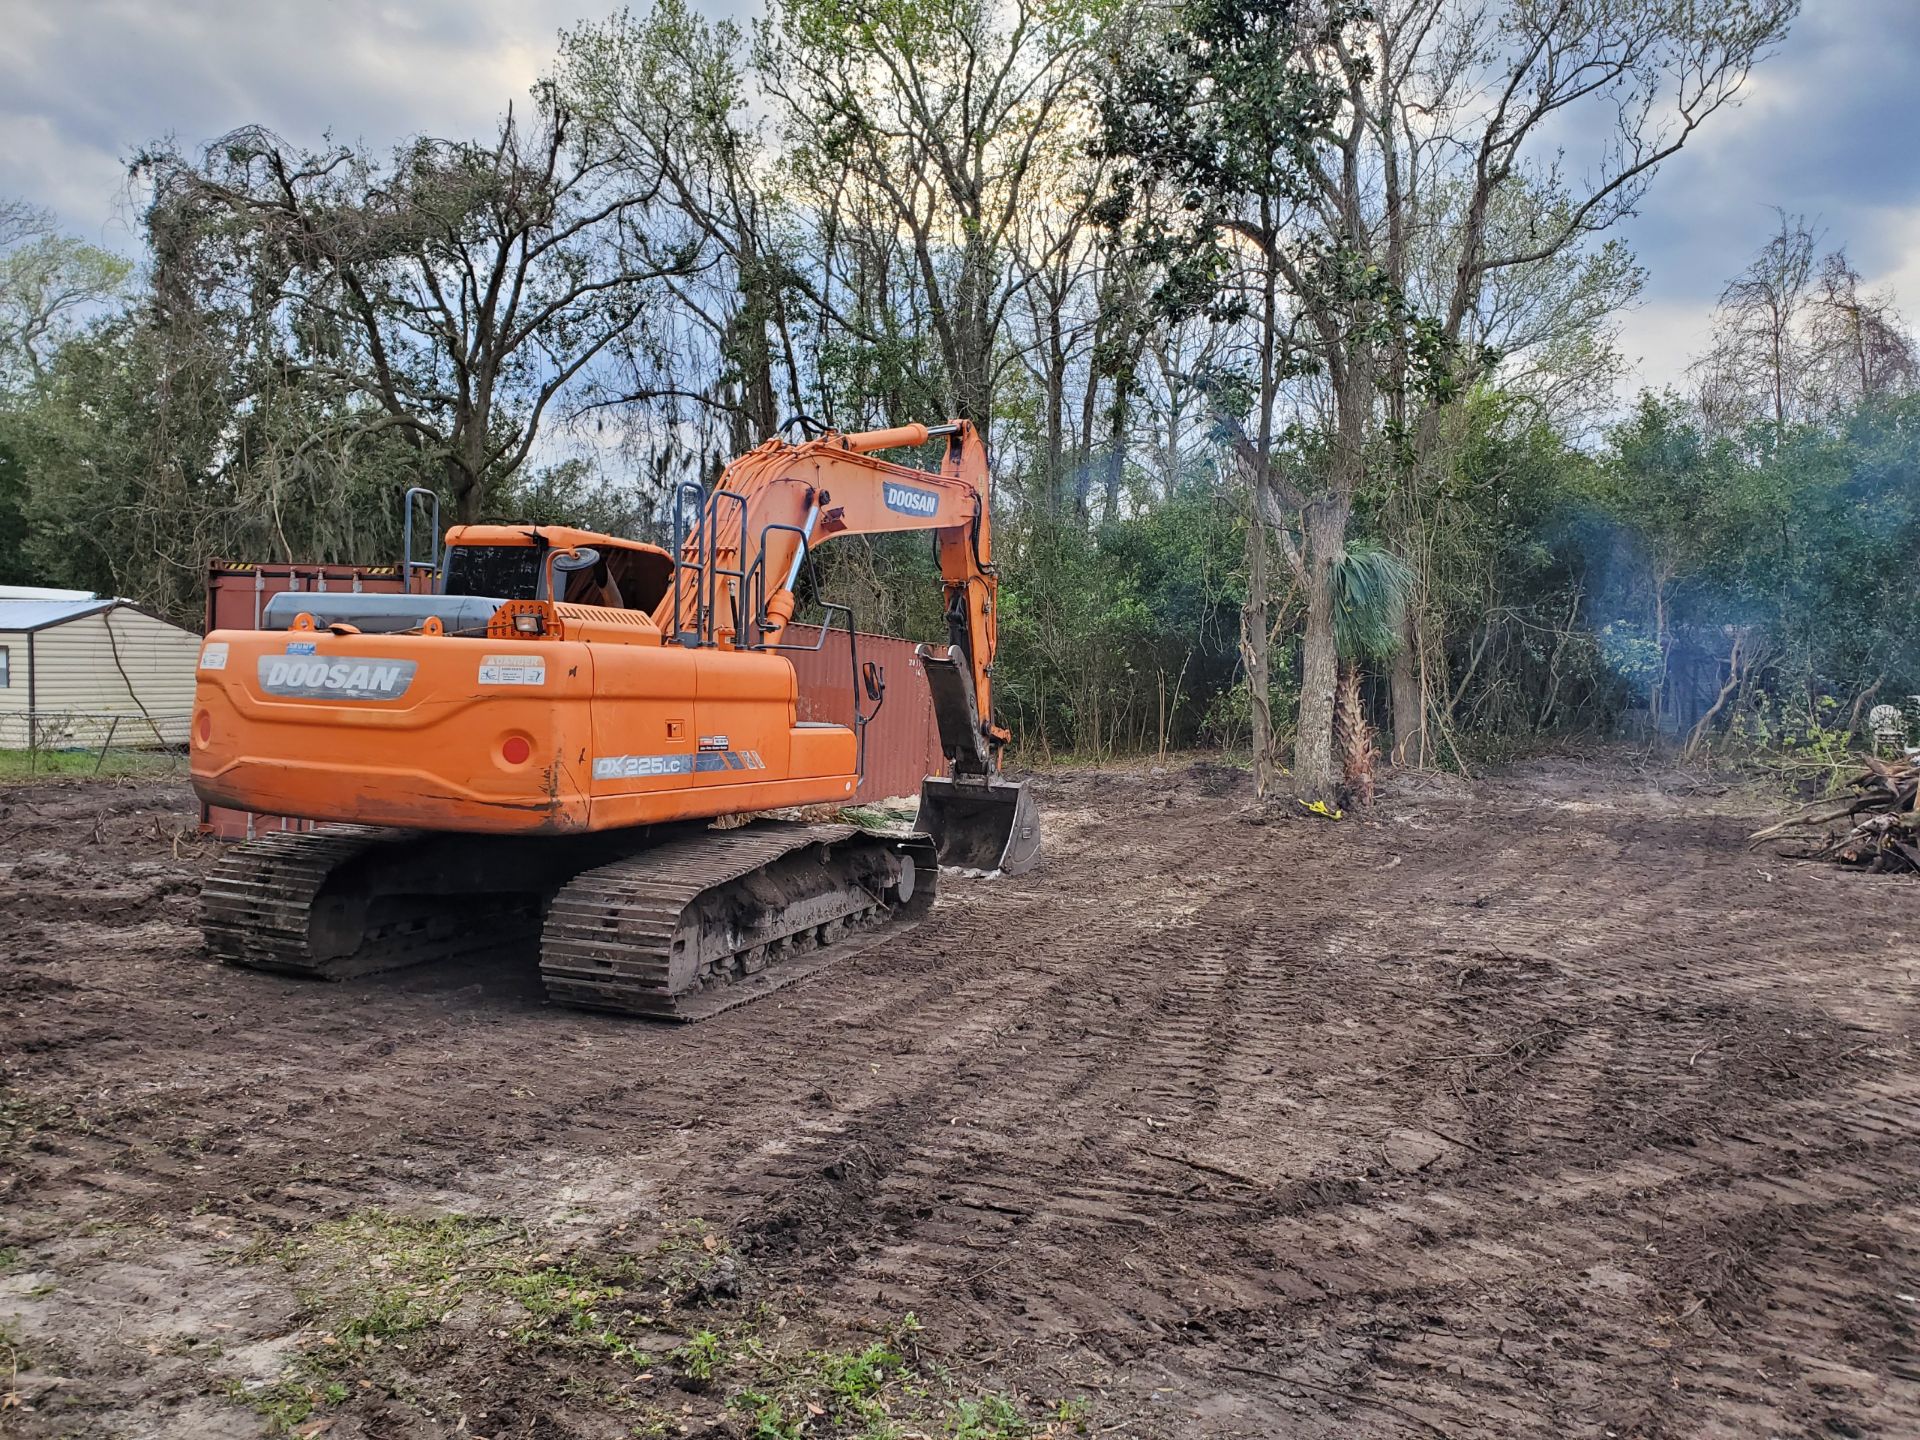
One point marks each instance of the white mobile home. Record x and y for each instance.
(76, 669)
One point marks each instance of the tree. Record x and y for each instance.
(48, 283)
(446, 298)
(1452, 179)
(1413, 200)
(934, 118)
(1670, 488)
(664, 91)
(1758, 365)
(1213, 121)
(1861, 349)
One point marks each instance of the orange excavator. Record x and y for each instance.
(540, 749)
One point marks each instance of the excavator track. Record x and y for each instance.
(703, 923)
(350, 900)
(678, 926)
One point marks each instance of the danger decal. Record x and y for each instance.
(513, 670)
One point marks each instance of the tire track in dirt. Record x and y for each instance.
(1500, 1113)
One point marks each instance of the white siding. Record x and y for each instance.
(115, 662)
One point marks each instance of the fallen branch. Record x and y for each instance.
(1884, 830)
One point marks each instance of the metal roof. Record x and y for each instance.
(18, 615)
(43, 592)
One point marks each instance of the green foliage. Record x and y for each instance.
(1370, 587)
(699, 1357)
(139, 469)
(1096, 625)
(1632, 654)
(1216, 111)
(49, 283)
(14, 566)
(1798, 538)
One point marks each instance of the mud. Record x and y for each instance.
(1531, 1107)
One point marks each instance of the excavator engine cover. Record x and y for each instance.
(980, 824)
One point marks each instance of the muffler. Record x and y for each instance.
(987, 826)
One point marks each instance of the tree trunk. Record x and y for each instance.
(1255, 648)
(1315, 768)
(468, 493)
(1353, 737)
(1409, 705)
(1732, 684)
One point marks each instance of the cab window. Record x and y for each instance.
(499, 572)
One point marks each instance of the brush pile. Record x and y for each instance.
(1877, 829)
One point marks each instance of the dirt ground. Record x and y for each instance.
(1528, 1108)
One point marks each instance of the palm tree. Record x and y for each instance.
(1370, 591)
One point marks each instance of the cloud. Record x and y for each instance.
(1659, 339)
(1825, 127)
(1825, 130)
(84, 84)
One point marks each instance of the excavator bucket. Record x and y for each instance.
(989, 826)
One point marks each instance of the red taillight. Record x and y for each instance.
(515, 750)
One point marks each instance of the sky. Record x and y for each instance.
(1829, 126)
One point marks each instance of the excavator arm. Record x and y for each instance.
(739, 555)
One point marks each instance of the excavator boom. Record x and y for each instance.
(794, 496)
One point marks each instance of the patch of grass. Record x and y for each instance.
(852, 1391)
(597, 1324)
(288, 1401)
(993, 1417)
(373, 1279)
(875, 1393)
(391, 1276)
(22, 767)
(9, 1259)
(569, 1307)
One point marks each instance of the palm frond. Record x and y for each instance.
(1371, 587)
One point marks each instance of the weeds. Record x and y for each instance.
(375, 1279)
(286, 1402)
(992, 1418)
(401, 1275)
(699, 1357)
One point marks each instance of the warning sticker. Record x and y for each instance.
(214, 656)
(513, 670)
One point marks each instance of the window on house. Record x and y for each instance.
(5, 675)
